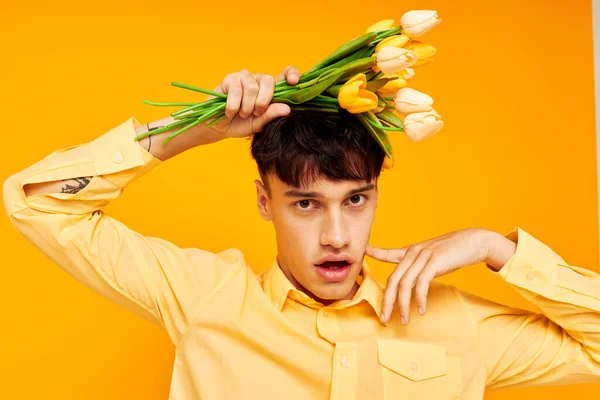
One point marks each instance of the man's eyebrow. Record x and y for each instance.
(298, 193)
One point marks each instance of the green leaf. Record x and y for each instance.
(334, 90)
(308, 93)
(381, 102)
(360, 53)
(379, 83)
(345, 49)
(391, 118)
(358, 66)
(380, 136)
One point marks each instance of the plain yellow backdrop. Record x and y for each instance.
(513, 81)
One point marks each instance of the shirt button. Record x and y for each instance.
(345, 362)
(326, 313)
(531, 275)
(413, 366)
(118, 157)
(277, 304)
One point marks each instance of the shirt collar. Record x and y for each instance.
(278, 288)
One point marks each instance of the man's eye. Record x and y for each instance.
(357, 199)
(304, 204)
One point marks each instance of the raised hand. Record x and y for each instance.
(249, 96)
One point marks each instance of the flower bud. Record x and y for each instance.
(409, 101)
(425, 52)
(382, 25)
(396, 41)
(391, 88)
(419, 126)
(416, 23)
(354, 97)
(391, 60)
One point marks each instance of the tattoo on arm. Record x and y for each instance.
(81, 183)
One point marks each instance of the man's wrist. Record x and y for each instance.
(500, 250)
(197, 136)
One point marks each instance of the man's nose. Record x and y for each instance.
(335, 230)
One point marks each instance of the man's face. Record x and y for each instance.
(322, 232)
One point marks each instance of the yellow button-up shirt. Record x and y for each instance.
(239, 335)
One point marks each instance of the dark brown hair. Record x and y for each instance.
(305, 145)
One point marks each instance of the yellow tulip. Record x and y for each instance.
(396, 41)
(354, 97)
(391, 88)
(425, 52)
(418, 22)
(391, 60)
(409, 101)
(382, 25)
(387, 163)
(421, 125)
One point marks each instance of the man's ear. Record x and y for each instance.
(262, 200)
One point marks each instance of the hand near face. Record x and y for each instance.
(420, 263)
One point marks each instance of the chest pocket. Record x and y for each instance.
(415, 370)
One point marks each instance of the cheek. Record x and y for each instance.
(296, 232)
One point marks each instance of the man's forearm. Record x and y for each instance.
(196, 136)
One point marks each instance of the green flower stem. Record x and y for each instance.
(159, 130)
(201, 112)
(197, 89)
(197, 106)
(217, 119)
(171, 136)
(212, 113)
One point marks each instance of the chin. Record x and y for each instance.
(339, 292)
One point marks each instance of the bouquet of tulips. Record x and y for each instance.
(367, 76)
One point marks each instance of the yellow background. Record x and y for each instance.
(513, 81)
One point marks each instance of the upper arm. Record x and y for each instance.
(149, 276)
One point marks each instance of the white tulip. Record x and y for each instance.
(408, 101)
(419, 126)
(416, 23)
(391, 59)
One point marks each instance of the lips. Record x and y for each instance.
(335, 260)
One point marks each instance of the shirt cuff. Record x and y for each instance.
(533, 266)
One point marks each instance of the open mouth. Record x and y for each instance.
(334, 271)
(334, 264)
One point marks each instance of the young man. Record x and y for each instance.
(316, 324)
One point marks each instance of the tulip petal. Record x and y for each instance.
(382, 25)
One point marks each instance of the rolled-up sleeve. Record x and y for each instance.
(561, 344)
(149, 276)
